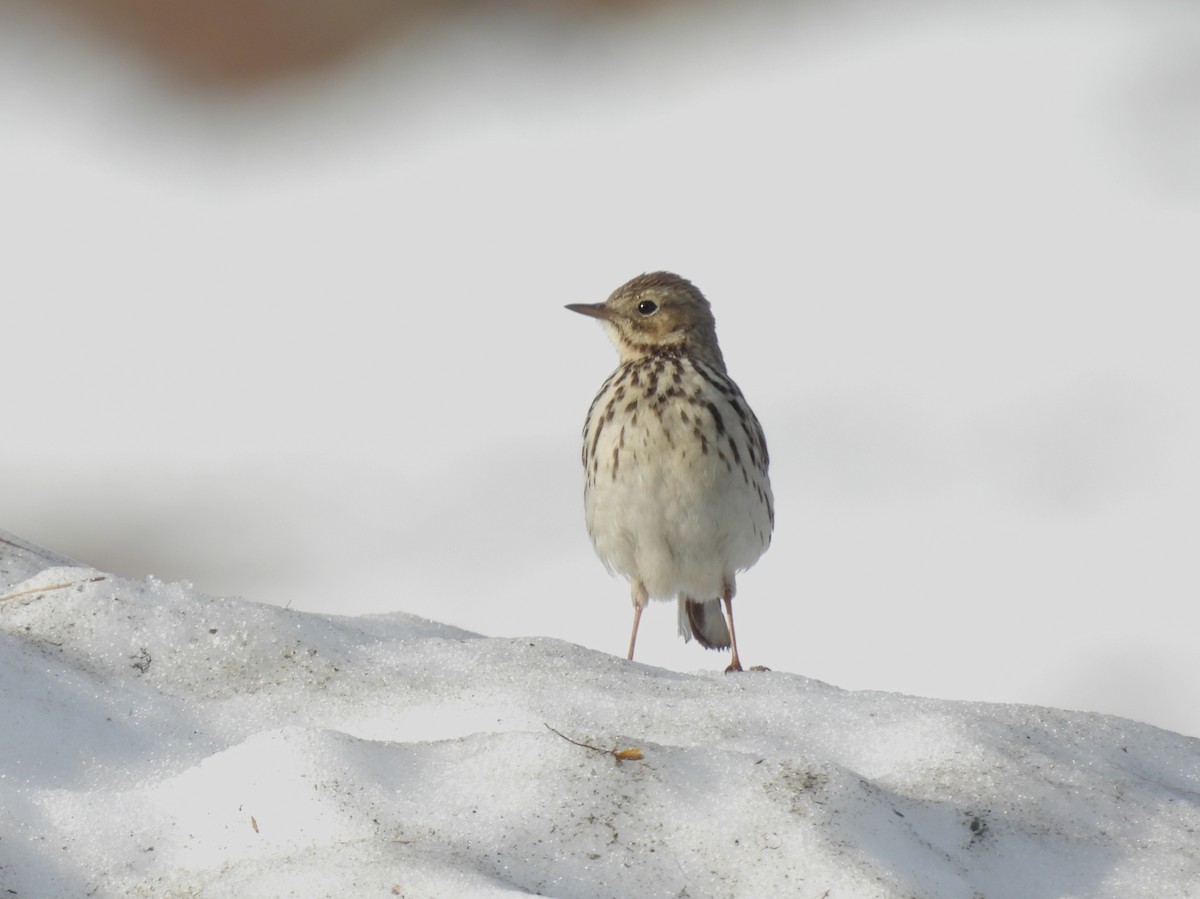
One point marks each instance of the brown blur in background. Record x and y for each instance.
(232, 44)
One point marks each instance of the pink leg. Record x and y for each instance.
(637, 616)
(640, 598)
(735, 664)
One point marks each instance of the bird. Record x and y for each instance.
(676, 494)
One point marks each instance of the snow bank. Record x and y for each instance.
(164, 743)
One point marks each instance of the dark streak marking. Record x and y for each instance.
(717, 420)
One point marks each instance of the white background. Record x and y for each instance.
(307, 345)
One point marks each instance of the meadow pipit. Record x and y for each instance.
(676, 497)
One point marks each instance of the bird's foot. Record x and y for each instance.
(737, 667)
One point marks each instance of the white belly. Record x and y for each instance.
(671, 503)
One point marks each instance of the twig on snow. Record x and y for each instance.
(623, 755)
(49, 587)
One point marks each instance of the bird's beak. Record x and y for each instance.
(595, 310)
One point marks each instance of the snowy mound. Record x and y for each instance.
(159, 742)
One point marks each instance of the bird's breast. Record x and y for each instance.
(673, 453)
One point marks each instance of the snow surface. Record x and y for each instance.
(160, 742)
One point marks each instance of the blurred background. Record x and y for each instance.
(283, 287)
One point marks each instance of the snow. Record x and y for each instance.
(161, 742)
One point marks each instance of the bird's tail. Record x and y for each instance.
(704, 621)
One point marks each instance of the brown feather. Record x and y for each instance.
(708, 624)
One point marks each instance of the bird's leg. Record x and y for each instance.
(735, 664)
(637, 616)
(640, 598)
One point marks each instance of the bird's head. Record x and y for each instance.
(656, 312)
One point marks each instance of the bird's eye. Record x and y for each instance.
(647, 307)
